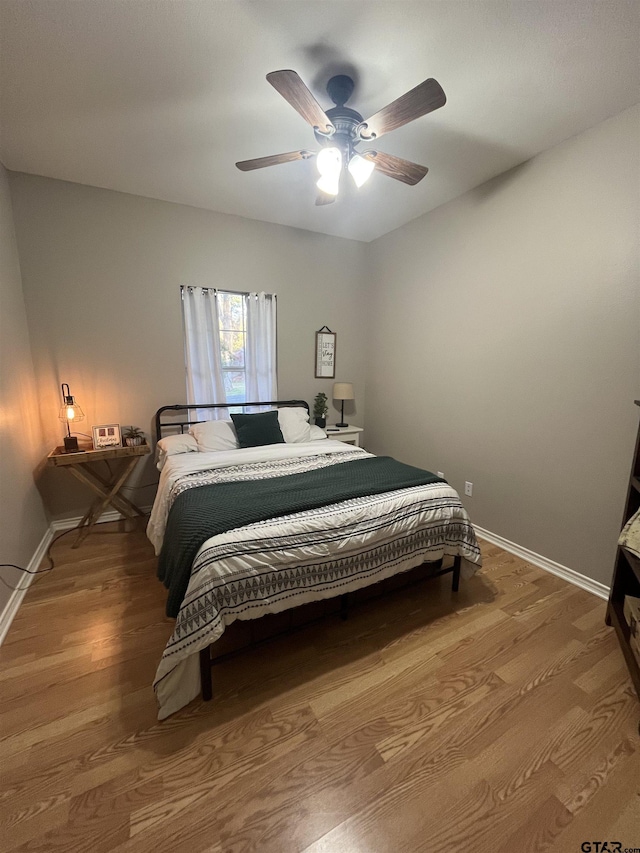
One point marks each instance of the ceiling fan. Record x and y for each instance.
(340, 129)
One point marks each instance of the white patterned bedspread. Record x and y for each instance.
(283, 562)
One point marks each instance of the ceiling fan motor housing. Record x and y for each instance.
(345, 120)
(340, 88)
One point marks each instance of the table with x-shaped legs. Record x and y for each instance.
(83, 465)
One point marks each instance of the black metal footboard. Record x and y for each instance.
(207, 662)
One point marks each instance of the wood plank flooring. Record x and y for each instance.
(501, 719)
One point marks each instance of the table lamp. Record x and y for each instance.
(342, 391)
(70, 411)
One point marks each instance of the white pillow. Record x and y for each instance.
(172, 444)
(215, 435)
(316, 433)
(294, 423)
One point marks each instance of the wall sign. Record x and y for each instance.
(325, 354)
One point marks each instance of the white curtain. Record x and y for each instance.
(260, 348)
(202, 350)
(205, 383)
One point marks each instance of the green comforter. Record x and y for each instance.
(206, 511)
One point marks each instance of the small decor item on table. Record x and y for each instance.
(320, 409)
(342, 391)
(106, 435)
(70, 411)
(133, 436)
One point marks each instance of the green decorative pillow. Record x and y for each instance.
(254, 430)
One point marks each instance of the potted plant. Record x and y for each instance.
(133, 436)
(320, 409)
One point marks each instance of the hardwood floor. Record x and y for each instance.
(501, 720)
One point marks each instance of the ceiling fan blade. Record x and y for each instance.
(395, 167)
(274, 160)
(425, 98)
(324, 198)
(298, 95)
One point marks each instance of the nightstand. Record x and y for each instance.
(82, 466)
(349, 434)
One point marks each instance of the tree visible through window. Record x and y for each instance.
(232, 324)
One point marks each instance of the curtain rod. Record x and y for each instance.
(184, 287)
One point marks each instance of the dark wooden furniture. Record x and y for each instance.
(83, 466)
(253, 632)
(626, 575)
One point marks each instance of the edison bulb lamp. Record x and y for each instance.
(70, 412)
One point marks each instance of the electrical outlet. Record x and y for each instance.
(468, 489)
(440, 474)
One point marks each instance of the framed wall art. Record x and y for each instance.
(325, 354)
(106, 435)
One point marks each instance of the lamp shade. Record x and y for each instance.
(360, 169)
(343, 391)
(329, 163)
(72, 412)
(69, 410)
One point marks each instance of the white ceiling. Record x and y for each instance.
(161, 98)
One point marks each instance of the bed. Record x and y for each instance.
(242, 532)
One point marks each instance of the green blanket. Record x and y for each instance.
(206, 511)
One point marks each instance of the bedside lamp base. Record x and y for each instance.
(71, 444)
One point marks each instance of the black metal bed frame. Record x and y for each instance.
(169, 427)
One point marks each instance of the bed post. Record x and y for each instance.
(456, 573)
(205, 674)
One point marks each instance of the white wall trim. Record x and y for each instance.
(8, 614)
(15, 599)
(564, 572)
(108, 515)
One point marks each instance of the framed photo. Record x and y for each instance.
(106, 435)
(325, 354)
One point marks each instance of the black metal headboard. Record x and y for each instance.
(173, 426)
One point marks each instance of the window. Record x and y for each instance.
(230, 346)
(232, 324)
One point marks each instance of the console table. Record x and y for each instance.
(83, 466)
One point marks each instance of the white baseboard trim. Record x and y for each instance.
(110, 515)
(15, 600)
(564, 572)
(8, 614)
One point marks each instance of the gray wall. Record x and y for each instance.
(499, 334)
(101, 273)
(504, 332)
(23, 521)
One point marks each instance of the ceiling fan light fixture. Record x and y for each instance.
(341, 128)
(329, 184)
(329, 163)
(360, 169)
